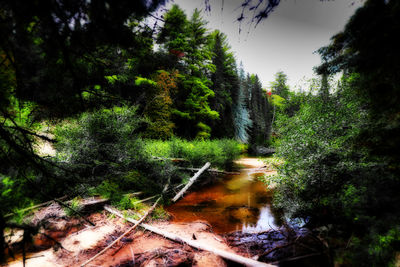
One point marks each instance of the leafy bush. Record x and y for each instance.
(104, 146)
(329, 178)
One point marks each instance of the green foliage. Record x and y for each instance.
(13, 196)
(278, 101)
(160, 213)
(313, 143)
(140, 81)
(107, 135)
(259, 109)
(159, 108)
(106, 150)
(279, 86)
(225, 84)
(129, 202)
(75, 206)
(327, 178)
(220, 153)
(174, 32)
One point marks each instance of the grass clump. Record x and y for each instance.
(74, 206)
(160, 213)
(129, 202)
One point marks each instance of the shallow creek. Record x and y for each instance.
(233, 203)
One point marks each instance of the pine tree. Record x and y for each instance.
(259, 112)
(225, 85)
(279, 86)
(242, 121)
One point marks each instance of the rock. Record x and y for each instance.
(263, 151)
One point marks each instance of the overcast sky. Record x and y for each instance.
(285, 41)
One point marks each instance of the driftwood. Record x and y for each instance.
(209, 170)
(196, 244)
(191, 181)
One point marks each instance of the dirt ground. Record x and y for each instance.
(139, 248)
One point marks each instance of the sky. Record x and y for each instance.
(285, 41)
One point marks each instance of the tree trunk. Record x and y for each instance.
(2, 241)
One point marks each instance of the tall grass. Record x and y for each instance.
(220, 153)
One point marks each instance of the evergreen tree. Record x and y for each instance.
(259, 112)
(191, 102)
(279, 86)
(174, 35)
(242, 121)
(225, 86)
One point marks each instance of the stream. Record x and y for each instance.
(239, 208)
(233, 203)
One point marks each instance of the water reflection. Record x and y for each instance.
(236, 202)
(266, 220)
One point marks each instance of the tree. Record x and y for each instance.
(191, 101)
(242, 121)
(225, 85)
(173, 35)
(341, 150)
(159, 108)
(52, 53)
(259, 112)
(279, 86)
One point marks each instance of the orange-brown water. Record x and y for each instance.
(236, 202)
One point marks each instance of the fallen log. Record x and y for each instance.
(91, 205)
(171, 159)
(144, 200)
(196, 244)
(36, 206)
(133, 194)
(209, 170)
(191, 181)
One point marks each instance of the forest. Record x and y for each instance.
(103, 98)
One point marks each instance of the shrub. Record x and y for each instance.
(330, 178)
(105, 147)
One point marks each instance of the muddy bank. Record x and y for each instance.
(66, 241)
(140, 248)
